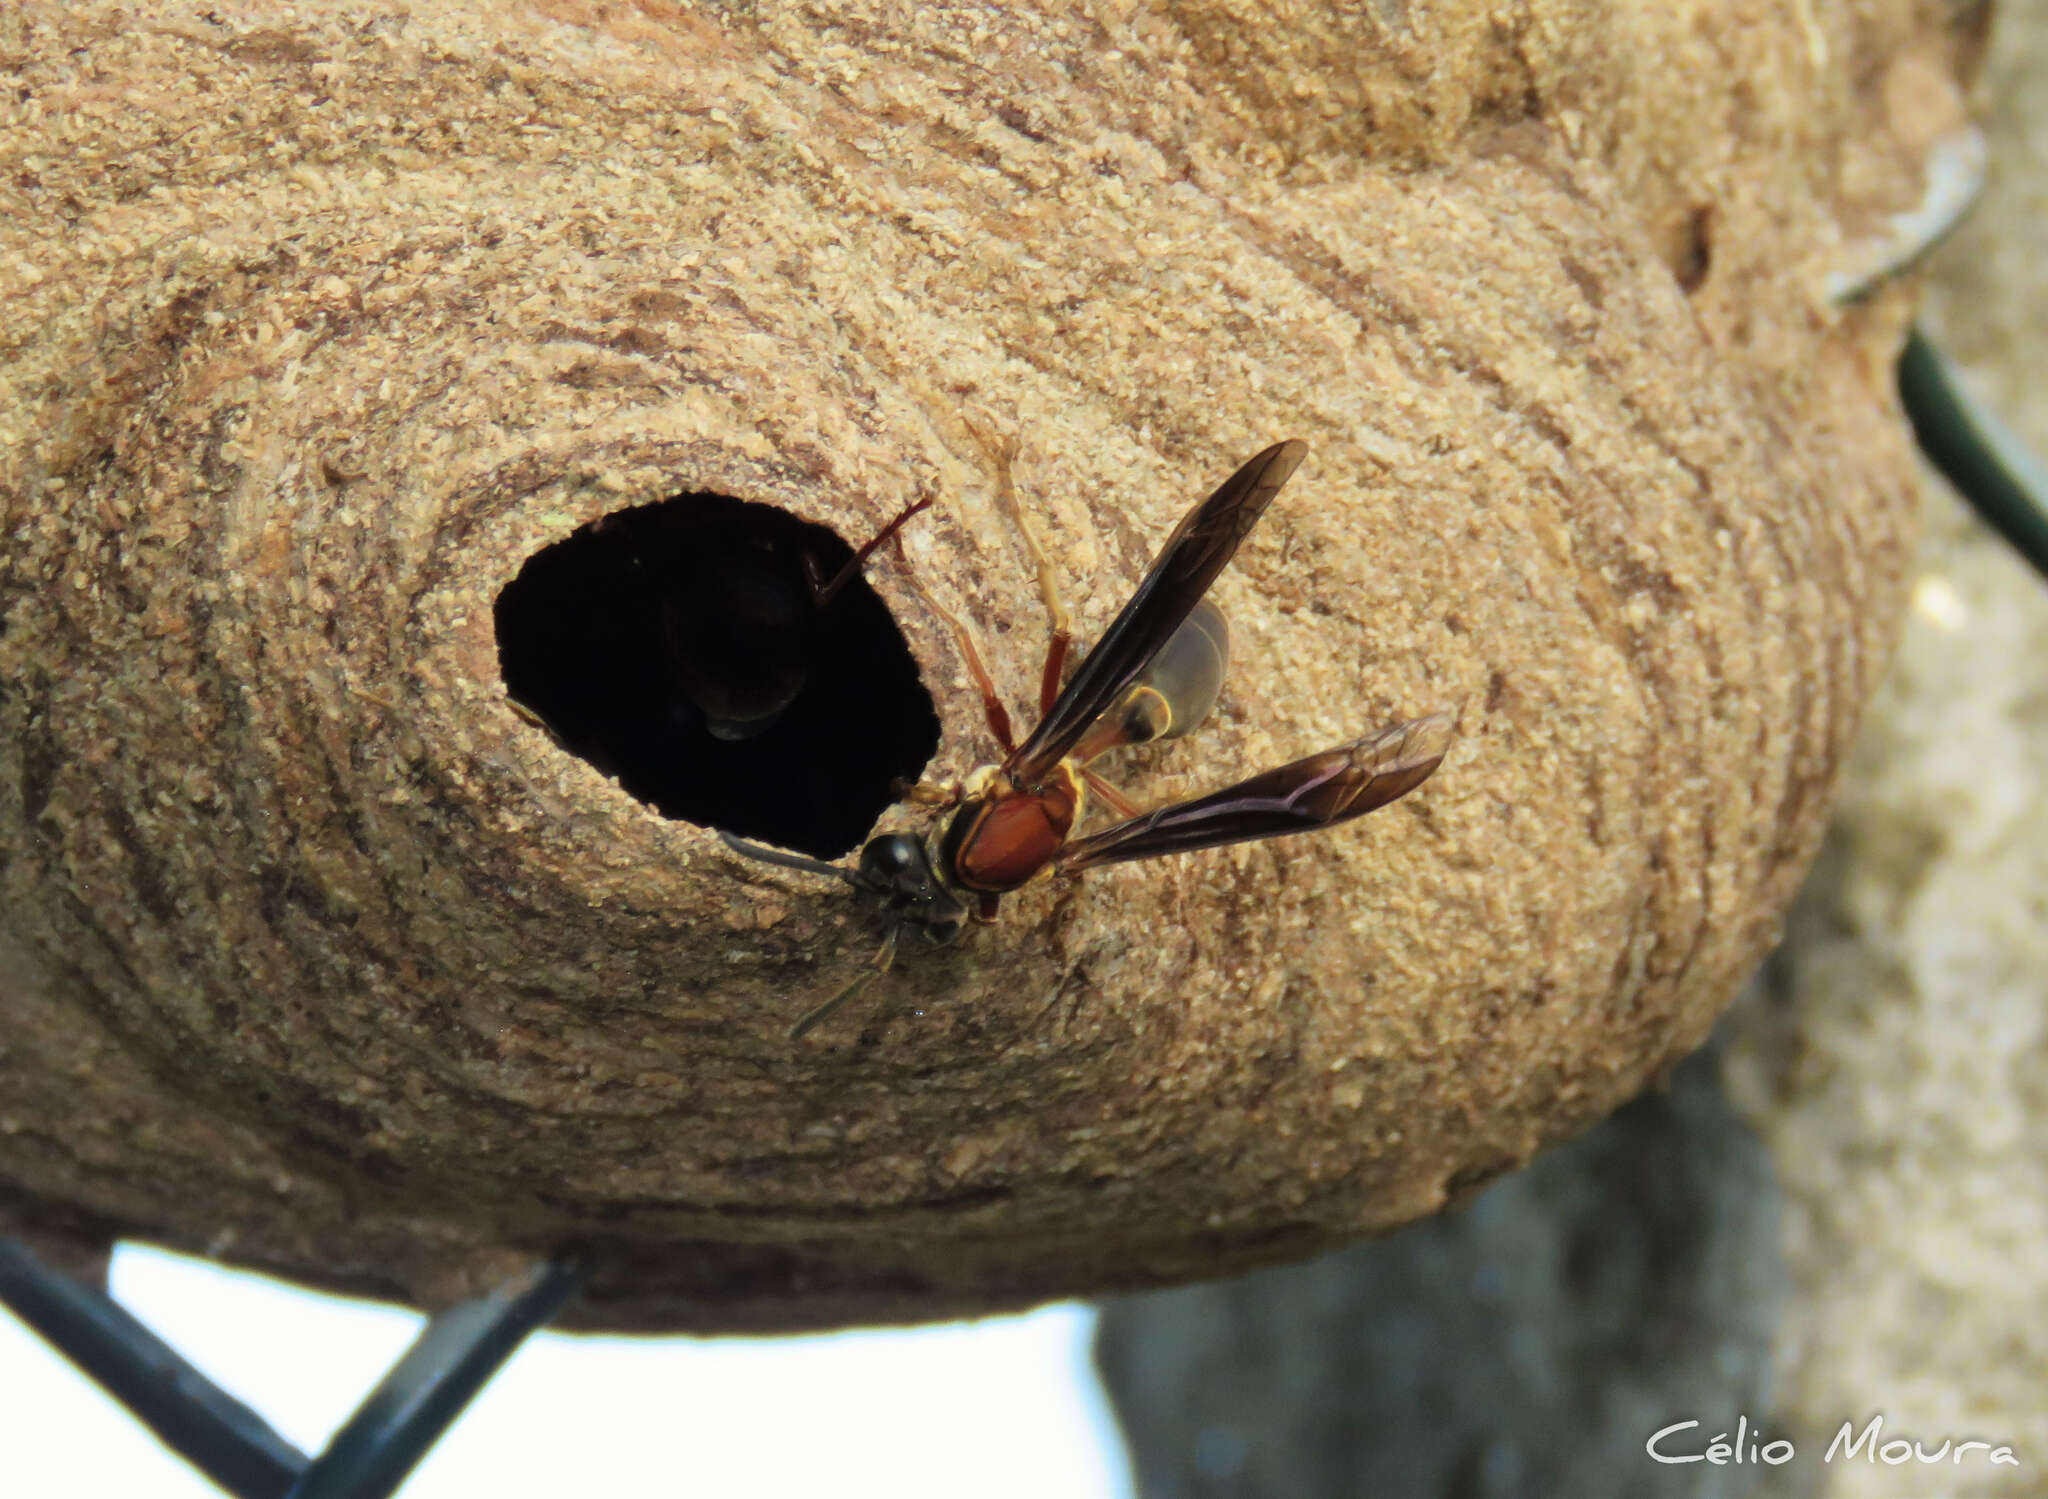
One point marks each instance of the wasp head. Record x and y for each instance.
(896, 871)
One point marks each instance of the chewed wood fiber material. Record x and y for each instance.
(319, 320)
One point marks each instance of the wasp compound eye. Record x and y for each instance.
(706, 652)
(890, 855)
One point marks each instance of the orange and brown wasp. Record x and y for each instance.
(1154, 674)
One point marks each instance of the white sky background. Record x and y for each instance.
(1000, 1408)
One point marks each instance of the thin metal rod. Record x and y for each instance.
(2002, 481)
(455, 1355)
(189, 1413)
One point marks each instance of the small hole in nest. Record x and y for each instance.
(1694, 256)
(682, 647)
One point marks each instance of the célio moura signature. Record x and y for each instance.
(1668, 1445)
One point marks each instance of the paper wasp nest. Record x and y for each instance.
(321, 322)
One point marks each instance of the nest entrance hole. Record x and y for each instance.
(682, 647)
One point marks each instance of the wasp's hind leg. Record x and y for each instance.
(1004, 448)
(1052, 676)
(1118, 802)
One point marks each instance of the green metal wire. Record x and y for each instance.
(189, 1413)
(455, 1356)
(2000, 479)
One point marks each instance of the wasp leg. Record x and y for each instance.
(519, 710)
(1052, 677)
(991, 701)
(1118, 802)
(884, 960)
(1004, 449)
(926, 793)
(824, 595)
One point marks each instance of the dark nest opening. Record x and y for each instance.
(690, 648)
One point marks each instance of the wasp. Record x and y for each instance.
(1154, 674)
(741, 615)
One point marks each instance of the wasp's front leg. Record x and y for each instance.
(927, 793)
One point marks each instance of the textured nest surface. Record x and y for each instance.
(321, 323)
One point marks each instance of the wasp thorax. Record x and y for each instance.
(1003, 836)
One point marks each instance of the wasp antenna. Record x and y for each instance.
(765, 855)
(883, 962)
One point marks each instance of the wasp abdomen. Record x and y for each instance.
(1175, 691)
(1183, 680)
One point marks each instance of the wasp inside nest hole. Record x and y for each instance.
(727, 662)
